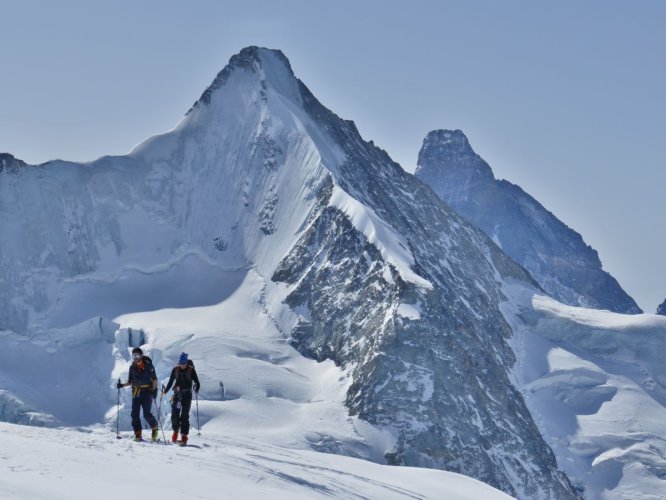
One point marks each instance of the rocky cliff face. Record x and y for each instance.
(554, 254)
(661, 309)
(9, 163)
(363, 264)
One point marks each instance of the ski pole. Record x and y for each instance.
(159, 418)
(198, 426)
(159, 411)
(118, 414)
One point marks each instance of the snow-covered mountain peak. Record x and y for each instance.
(271, 66)
(255, 94)
(554, 254)
(455, 139)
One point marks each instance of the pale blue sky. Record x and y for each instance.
(566, 99)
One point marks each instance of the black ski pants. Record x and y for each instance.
(143, 400)
(180, 412)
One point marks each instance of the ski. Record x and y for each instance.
(146, 441)
(187, 445)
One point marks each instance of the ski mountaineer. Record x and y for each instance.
(143, 380)
(185, 377)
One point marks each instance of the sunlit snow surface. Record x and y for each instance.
(595, 384)
(255, 443)
(271, 392)
(69, 465)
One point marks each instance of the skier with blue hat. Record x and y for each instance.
(184, 379)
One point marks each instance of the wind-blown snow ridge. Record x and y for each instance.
(379, 234)
(597, 318)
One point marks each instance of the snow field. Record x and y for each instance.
(71, 464)
(272, 393)
(256, 443)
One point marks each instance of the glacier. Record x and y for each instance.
(595, 382)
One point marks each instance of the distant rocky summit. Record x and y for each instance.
(556, 256)
(662, 308)
(9, 163)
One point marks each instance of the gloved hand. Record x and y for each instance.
(154, 392)
(120, 385)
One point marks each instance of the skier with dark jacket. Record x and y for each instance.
(143, 380)
(184, 380)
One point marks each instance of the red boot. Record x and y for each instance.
(174, 437)
(183, 440)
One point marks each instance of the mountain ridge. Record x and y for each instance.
(557, 257)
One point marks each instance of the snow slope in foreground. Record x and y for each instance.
(256, 442)
(595, 383)
(91, 463)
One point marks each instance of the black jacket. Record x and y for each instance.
(142, 377)
(184, 379)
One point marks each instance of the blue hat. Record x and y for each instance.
(183, 358)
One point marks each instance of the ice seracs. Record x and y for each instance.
(596, 385)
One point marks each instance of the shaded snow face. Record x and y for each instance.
(362, 265)
(237, 170)
(554, 254)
